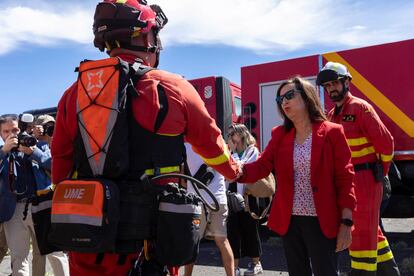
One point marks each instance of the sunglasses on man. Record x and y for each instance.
(288, 96)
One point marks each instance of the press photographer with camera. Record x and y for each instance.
(17, 188)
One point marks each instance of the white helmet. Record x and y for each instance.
(332, 71)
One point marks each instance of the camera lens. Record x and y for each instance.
(26, 140)
(48, 130)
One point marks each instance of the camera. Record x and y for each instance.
(48, 130)
(23, 137)
(26, 140)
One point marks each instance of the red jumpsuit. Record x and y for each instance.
(369, 141)
(186, 115)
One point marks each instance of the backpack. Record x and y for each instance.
(102, 145)
(86, 211)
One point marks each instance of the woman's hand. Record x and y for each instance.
(344, 238)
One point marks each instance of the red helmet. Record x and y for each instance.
(117, 21)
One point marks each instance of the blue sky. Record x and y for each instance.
(44, 40)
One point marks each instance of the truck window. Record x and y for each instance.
(238, 106)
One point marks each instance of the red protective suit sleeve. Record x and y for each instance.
(204, 135)
(63, 136)
(378, 134)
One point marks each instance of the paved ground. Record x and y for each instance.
(400, 233)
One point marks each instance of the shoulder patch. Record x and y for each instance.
(348, 118)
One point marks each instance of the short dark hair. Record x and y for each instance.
(309, 96)
(8, 118)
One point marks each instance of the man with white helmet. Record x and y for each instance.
(372, 149)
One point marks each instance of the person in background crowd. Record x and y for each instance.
(43, 132)
(213, 225)
(129, 30)
(18, 188)
(372, 149)
(313, 204)
(243, 230)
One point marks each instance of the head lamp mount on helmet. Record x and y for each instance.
(117, 22)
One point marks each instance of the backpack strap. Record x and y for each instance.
(162, 113)
(140, 70)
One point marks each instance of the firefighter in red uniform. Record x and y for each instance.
(129, 29)
(372, 150)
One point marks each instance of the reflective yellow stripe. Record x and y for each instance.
(43, 192)
(382, 244)
(363, 152)
(385, 257)
(217, 160)
(121, 1)
(169, 134)
(363, 266)
(163, 170)
(369, 90)
(357, 141)
(386, 158)
(363, 254)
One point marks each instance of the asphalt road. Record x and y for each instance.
(400, 233)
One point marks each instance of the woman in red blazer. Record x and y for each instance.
(313, 204)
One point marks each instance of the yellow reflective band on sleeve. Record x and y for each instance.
(363, 152)
(163, 170)
(385, 257)
(217, 160)
(363, 266)
(382, 244)
(121, 1)
(363, 254)
(169, 134)
(357, 141)
(386, 158)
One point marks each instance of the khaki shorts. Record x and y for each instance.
(216, 223)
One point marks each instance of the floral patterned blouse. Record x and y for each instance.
(303, 204)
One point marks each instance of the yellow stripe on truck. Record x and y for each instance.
(372, 93)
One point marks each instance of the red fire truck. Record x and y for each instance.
(381, 75)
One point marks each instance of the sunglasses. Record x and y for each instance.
(288, 96)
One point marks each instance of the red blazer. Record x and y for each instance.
(332, 176)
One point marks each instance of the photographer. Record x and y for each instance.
(17, 188)
(43, 131)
